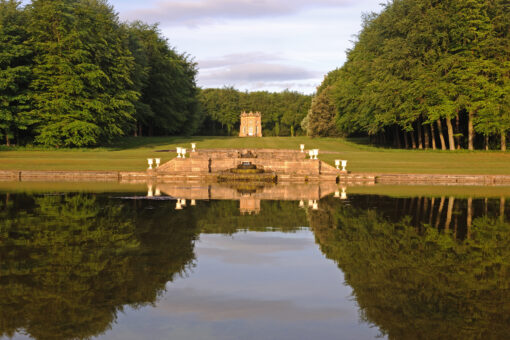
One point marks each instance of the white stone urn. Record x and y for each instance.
(344, 166)
(343, 196)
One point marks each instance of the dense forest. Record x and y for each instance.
(72, 75)
(423, 74)
(282, 112)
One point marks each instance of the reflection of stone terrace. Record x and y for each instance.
(280, 192)
(288, 165)
(249, 198)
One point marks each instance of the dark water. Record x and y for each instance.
(112, 265)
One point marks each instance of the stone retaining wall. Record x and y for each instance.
(296, 177)
(443, 179)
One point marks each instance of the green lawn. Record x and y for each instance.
(130, 155)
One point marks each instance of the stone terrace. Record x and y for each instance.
(287, 164)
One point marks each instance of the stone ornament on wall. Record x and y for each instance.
(251, 124)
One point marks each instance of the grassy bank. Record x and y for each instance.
(130, 154)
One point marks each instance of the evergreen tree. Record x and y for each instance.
(15, 69)
(82, 70)
(321, 119)
(166, 80)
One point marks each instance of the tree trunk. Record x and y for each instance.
(469, 216)
(441, 136)
(502, 208)
(503, 140)
(426, 137)
(420, 139)
(471, 131)
(449, 213)
(417, 213)
(457, 131)
(413, 140)
(440, 212)
(433, 136)
(406, 141)
(140, 130)
(397, 137)
(425, 206)
(451, 141)
(486, 142)
(432, 206)
(7, 141)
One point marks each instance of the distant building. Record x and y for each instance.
(251, 124)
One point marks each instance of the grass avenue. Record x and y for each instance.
(129, 154)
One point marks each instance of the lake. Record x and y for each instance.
(159, 261)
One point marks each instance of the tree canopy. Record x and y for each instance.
(71, 74)
(282, 112)
(427, 73)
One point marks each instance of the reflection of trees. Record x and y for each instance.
(224, 217)
(69, 263)
(415, 281)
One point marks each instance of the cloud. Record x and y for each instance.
(238, 59)
(251, 249)
(199, 12)
(255, 72)
(216, 307)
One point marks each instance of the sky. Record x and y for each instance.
(256, 45)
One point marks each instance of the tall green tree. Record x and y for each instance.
(321, 117)
(15, 70)
(82, 68)
(166, 81)
(421, 69)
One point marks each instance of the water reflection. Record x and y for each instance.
(70, 263)
(248, 195)
(419, 267)
(423, 268)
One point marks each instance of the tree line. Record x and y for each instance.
(282, 112)
(424, 74)
(71, 74)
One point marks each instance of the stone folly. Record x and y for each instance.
(251, 124)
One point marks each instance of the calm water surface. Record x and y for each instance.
(121, 265)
